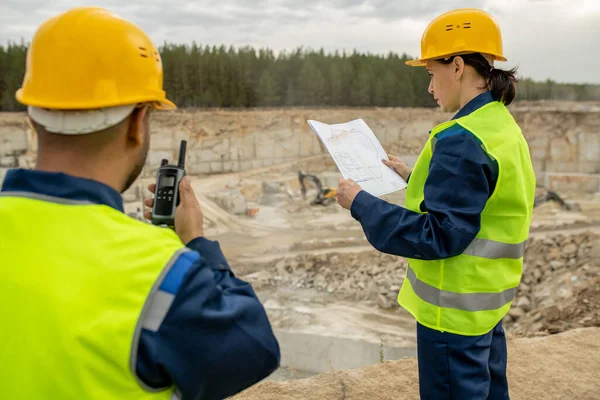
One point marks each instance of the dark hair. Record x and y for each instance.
(500, 82)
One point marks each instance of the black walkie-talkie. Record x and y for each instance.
(166, 197)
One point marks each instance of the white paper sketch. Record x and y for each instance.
(358, 155)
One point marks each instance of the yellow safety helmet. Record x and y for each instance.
(88, 58)
(462, 31)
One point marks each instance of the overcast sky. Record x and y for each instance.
(557, 39)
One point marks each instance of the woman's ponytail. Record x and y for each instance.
(502, 84)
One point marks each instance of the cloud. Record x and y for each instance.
(546, 38)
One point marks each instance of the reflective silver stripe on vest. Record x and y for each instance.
(460, 301)
(160, 303)
(491, 249)
(153, 313)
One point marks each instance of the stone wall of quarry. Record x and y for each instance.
(564, 142)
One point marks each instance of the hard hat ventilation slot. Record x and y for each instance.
(449, 27)
(466, 25)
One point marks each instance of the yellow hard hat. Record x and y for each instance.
(462, 31)
(89, 58)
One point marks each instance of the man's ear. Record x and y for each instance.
(137, 125)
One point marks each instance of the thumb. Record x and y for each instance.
(186, 192)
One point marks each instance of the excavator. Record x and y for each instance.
(325, 195)
(553, 196)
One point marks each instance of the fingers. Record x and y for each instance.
(186, 193)
(392, 164)
(345, 180)
(148, 215)
(152, 187)
(149, 202)
(394, 158)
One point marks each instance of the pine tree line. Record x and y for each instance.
(210, 76)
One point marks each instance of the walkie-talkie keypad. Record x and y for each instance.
(164, 195)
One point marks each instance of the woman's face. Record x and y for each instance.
(445, 84)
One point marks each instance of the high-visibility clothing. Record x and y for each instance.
(470, 293)
(76, 314)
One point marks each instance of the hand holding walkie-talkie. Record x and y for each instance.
(167, 194)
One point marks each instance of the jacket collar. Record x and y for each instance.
(61, 185)
(475, 104)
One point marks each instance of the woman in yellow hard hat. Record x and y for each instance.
(466, 219)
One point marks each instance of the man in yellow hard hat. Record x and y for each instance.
(98, 305)
(466, 219)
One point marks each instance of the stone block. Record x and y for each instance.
(155, 157)
(216, 167)
(572, 183)
(318, 147)
(246, 165)
(264, 147)
(257, 164)
(244, 144)
(306, 143)
(232, 201)
(8, 162)
(198, 168)
(222, 148)
(561, 150)
(271, 187)
(201, 155)
(13, 141)
(229, 166)
(177, 137)
(161, 141)
(538, 147)
(561, 166)
(589, 147)
(589, 167)
(2, 174)
(132, 194)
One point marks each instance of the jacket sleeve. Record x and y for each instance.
(461, 179)
(215, 339)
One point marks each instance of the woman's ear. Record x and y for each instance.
(458, 65)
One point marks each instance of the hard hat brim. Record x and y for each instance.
(421, 62)
(416, 63)
(165, 104)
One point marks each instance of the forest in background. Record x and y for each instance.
(211, 76)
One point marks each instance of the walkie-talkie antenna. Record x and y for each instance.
(182, 149)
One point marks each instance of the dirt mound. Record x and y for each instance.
(563, 366)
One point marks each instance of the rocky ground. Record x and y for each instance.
(560, 288)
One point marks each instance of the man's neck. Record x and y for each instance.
(82, 168)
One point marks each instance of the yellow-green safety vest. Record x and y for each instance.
(75, 282)
(470, 293)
